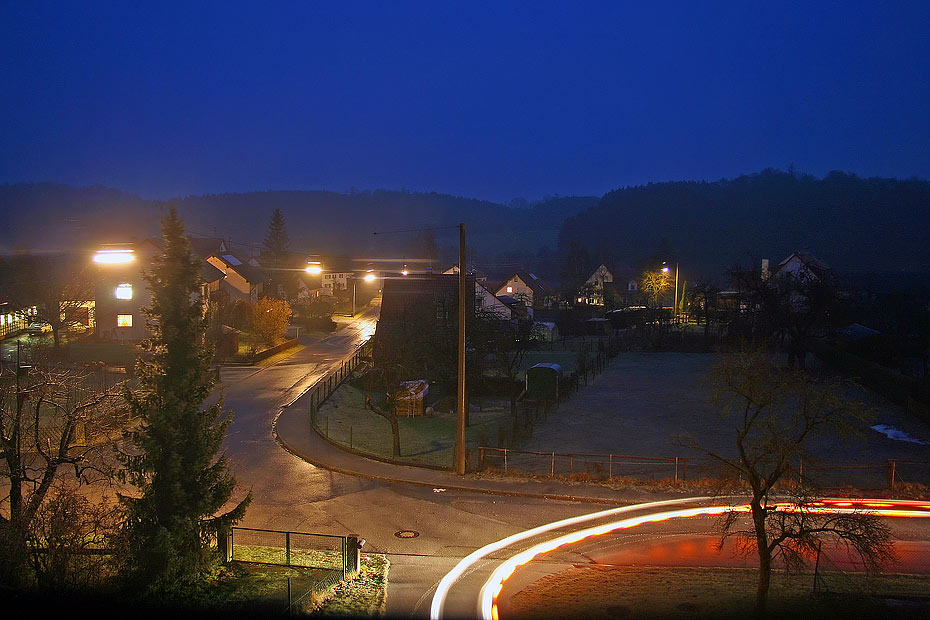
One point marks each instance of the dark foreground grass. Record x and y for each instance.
(709, 593)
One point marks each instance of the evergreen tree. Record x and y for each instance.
(183, 482)
(274, 255)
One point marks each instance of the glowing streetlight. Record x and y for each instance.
(369, 277)
(114, 257)
(404, 272)
(314, 267)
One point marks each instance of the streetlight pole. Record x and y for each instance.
(460, 428)
(676, 292)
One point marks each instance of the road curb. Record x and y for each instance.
(290, 448)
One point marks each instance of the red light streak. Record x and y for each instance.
(895, 508)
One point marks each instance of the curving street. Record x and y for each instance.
(271, 448)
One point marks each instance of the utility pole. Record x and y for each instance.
(676, 292)
(460, 429)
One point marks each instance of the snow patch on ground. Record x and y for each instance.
(898, 435)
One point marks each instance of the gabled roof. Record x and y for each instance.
(209, 273)
(405, 297)
(816, 266)
(531, 280)
(203, 247)
(243, 268)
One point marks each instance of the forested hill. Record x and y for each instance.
(852, 223)
(48, 216)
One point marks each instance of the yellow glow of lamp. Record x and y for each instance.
(114, 257)
(369, 277)
(314, 267)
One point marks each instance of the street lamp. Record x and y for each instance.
(314, 267)
(369, 277)
(119, 256)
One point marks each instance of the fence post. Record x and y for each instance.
(505, 460)
(552, 467)
(891, 472)
(345, 556)
(480, 458)
(287, 548)
(676, 469)
(290, 603)
(571, 464)
(610, 466)
(353, 555)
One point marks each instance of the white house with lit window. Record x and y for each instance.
(120, 292)
(527, 288)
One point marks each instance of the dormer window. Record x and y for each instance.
(509, 289)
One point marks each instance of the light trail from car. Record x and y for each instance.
(495, 584)
(446, 583)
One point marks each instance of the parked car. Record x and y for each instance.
(37, 328)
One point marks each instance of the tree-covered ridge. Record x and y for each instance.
(852, 223)
(53, 216)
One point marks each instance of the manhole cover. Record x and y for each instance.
(406, 534)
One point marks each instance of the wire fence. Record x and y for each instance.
(604, 466)
(316, 394)
(336, 557)
(864, 475)
(288, 548)
(816, 474)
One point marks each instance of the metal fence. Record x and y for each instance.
(314, 396)
(595, 465)
(865, 475)
(817, 474)
(290, 548)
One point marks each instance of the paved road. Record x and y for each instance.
(291, 494)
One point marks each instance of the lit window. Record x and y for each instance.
(124, 320)
(124, 291)
(509, 289)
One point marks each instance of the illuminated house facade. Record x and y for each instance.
(527, 288)
(120, 292)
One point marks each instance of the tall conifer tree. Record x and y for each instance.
(184, 483)
(274, 256)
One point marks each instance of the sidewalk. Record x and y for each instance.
(293, 430)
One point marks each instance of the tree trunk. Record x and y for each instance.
(765, 557)
(395, 431)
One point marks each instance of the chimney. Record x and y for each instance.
(765, 269)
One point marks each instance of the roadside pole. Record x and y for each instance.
(460, 430)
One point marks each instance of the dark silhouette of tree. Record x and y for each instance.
(183, 483)
(776, 414)
(275, 257)
(575, 269)
(788, 309)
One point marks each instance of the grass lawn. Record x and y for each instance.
(658, 592)
(244, 586)
(365, 596)
(424, 440)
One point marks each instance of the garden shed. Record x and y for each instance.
(410, 398)
(542, 381)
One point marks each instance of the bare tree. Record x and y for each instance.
(46, 416)
(776, 414)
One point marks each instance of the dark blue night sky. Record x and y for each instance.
(490, 100)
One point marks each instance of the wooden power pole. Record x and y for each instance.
(460, 429)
